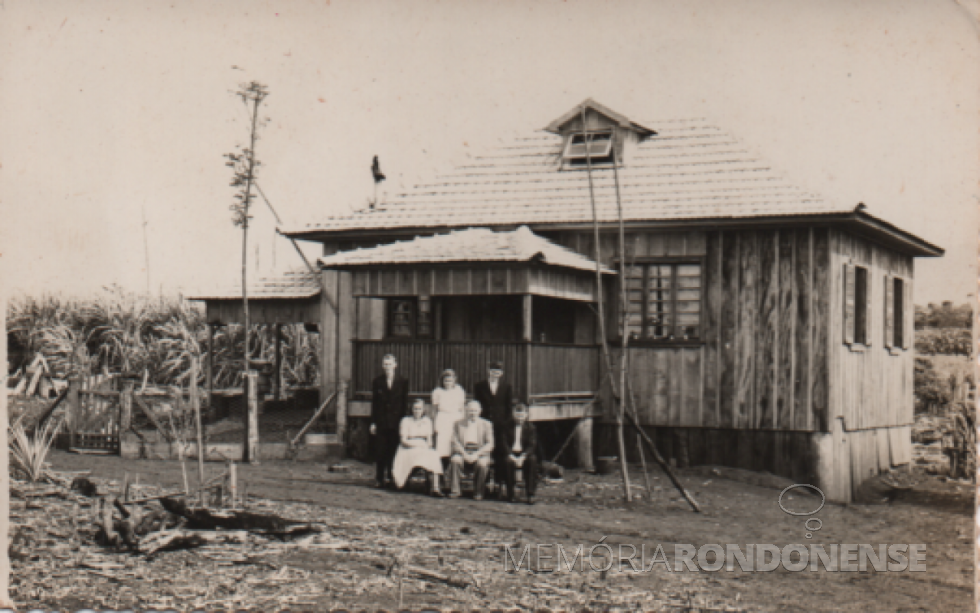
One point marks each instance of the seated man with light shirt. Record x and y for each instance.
(472, 446)
(520, 442)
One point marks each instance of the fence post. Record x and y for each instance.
(126, 405)
(196, 405)
(74, 408)
(342, 416)
(252, 422)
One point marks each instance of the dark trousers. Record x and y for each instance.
(386, 442)
(530, 470)
(499, 449)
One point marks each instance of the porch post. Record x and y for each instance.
(583, 436)
(528, 337)
(528, 320)
(277, 382)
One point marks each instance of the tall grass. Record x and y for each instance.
(122, 332)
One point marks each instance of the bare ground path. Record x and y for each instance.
(585, 507)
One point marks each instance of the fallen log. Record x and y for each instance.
(431, 575)
(237, 520)
(186, 539)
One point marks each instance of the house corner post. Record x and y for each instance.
(329, 313)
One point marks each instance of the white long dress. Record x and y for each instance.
(407, 458)
(449, 404)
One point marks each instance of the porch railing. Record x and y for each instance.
(541, 369)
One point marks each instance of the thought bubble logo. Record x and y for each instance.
(823, 500)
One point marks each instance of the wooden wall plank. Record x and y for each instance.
(697, 243)
(748, 262)
(729, 304)
(710, 317)
(802, 279)
(820, 339)
(787, 358)
(690, 411)
(659, 378)
(766, 354)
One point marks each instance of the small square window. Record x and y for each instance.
(594, 147)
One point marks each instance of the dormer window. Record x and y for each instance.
(585, 147)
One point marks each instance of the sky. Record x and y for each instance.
(115, 115)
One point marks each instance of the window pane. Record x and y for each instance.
(689, 294)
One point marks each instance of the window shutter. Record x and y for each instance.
(848, 303)
(868, 293)
(907, 314)
(889, 311)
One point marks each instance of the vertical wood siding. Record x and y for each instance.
(766, 330)
(872, 385)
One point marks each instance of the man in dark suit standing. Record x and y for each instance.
(389, 403)
(496, 397)
(520, 444)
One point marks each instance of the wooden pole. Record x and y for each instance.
(5, 601)
(252, 425)
(126, 405)
(74, 407)
(599, 301)
(624, 332)
(209, 372)
(232, 484)
(196, 405)
(277, 383)
(643, 463)
(342, 416)
(631, 415)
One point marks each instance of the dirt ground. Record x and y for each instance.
(466, 537)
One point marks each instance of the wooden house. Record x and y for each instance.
(769, 328)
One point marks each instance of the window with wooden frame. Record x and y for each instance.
(857, 305)
(585, 147)
(896, 336)
(410, 317)
(663, 301)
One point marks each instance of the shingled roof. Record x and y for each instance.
(471, 245)
(291, 285)
(683, 170)
(690, 169)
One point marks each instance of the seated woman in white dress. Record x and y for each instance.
(415, 449)
(448, 400)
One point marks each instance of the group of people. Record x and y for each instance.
(490, 429)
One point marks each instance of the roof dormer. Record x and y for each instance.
(592, 133)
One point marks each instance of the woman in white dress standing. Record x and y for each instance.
(448, 400)
(415, 448)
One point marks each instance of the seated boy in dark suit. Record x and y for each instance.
(520, 445)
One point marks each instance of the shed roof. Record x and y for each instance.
(291, 285)
(689, 170)
(470, 245)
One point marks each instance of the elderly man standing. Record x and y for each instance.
(497, 398)
(472, 446)
(389, 403)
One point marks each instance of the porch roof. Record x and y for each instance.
(466, 246)
(291, 285)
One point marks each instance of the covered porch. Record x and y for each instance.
(463, 299)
